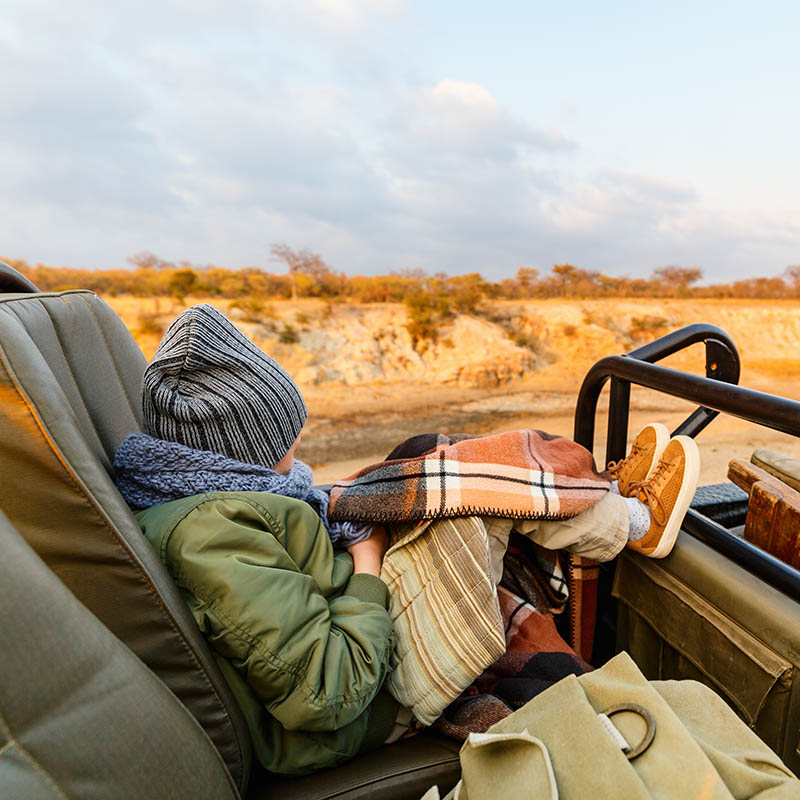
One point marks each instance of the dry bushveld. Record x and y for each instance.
(370, 382)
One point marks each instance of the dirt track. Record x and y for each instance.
(349, 428)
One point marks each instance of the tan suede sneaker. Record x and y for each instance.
(638, 465)
(668, 492)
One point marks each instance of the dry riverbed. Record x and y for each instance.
(351, 428)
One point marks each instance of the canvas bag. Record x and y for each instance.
(557, 746)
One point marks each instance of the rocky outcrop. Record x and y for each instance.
(368, 344)
(371, 344)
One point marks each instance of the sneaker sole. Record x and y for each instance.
(691, 475)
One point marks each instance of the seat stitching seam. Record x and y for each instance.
(33, 298)
(71, 373)
(129, 555)
(12, 742)
(110, 355)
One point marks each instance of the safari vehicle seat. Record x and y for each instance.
(80, 683)
(70, 376)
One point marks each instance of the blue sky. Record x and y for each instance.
(391, 134)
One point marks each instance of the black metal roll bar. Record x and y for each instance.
(715, 393)
(722, 364)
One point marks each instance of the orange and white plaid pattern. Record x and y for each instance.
(520, 474)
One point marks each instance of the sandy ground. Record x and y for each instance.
(351, 428)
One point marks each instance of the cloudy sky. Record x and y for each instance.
(391, 134)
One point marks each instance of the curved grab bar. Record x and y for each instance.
(722, 365)
(714, 394)
(771, 411)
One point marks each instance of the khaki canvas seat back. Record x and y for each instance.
(70, 376)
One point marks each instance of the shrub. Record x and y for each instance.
(604, 320)
(288, 334)
(253, 308)
(149, 323)
(426, 310)
(182, 282)
(467, 292)
(647, 327)
(532, 343)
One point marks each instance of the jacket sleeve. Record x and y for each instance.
(313, 644)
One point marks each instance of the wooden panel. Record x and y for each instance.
(773, 521)
(786, 535)
(744, 475)
(761, 512)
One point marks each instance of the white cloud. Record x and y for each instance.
(462, 118)
(622, 199)
(207, 132)
(345, 18)
(449, 92)
(646, 188)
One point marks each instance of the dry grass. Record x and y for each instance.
(577, 333)
(767, 334)
(788, 368)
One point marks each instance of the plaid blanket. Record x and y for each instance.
(443, 605)
(535, 573)
(536, 657)
(450, 625)
(519, 474)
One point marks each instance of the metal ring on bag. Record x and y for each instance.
(648, 718)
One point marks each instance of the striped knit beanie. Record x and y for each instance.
(209, 387)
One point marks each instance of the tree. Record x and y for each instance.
(564, 277)
(182, 282)
(677, 279)
(300, 261)
(793, 277)
(526, 277)
(412, 273)
(147, 260)
(467, 291)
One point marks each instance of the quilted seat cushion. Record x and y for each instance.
(70, 374)
(80, 716)
(404, 770)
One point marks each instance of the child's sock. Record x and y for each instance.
(638, 515)
(639, 518)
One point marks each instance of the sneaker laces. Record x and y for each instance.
(616, 468)
(651, 491)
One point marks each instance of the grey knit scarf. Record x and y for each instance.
(152, 471)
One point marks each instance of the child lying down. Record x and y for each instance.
(285, 582)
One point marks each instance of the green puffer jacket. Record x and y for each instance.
(303, 642)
